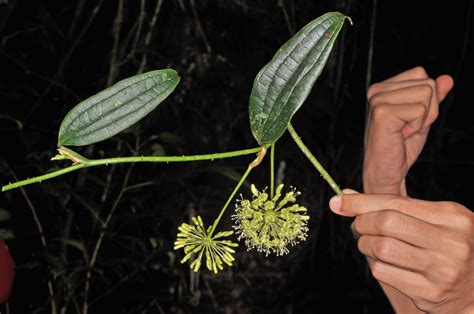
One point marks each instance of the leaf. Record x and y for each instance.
(227, 172)
(157, 150)
(4, 214)
(73, 243)
(169, 137)
(6, 234)
(282, 85)
(116, 108)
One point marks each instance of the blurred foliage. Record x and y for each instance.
(54, 54)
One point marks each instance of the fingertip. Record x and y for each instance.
(335, 204)
(444, 83)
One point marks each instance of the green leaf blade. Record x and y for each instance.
(116, 108)
(282, 85)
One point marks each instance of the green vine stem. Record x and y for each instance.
(80, 162)
(253, 164)
(313, 160)
(272, 170)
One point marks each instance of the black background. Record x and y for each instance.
(52, 55)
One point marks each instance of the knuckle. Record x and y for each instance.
(426, 91)
(356, 225)
(450, 207)
(450, 275)
(464, 251)
(435, 294)
(465, 222)
(461, 246)
(376, 100)
(385, 249)
(461, 217)
(376, 268)
(388, 220)
(420, 71)
(373, 90)
(380, 112)
(431, 83)
(362, 244)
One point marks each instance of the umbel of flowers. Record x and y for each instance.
(271, 224)
(199, 240)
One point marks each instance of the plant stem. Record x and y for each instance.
(231, 197)
(82, 162)
(272, 170)
(252, 165)
(313, 160)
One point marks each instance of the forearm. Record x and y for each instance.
(374, 185)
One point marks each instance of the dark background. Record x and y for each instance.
(55, 53)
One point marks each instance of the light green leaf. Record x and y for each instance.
(116, 108)
(282, 85)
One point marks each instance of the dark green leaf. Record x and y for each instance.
(4, 214)
(6, 234)
(73, 243)
(282, 86)
(157, 150)
(170, 138)
(227, 172)
(116, 108)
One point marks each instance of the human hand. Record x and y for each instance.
(423, 249)
(401, 110)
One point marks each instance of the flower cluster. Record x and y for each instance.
(271, 224)
(197, 240)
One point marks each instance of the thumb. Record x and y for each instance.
(335, 202)
(444, 83)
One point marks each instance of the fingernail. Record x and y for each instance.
(349, 191)
(335, 203)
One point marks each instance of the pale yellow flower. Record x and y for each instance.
(270, 225)
(196, 240)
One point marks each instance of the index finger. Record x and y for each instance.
(351, 205)
(411, 74)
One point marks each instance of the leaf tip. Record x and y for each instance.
(350, 20)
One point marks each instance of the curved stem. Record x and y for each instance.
(82, 162)
(313, 160)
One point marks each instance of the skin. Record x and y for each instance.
(421, 252)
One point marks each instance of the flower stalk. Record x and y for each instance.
(313, 160)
